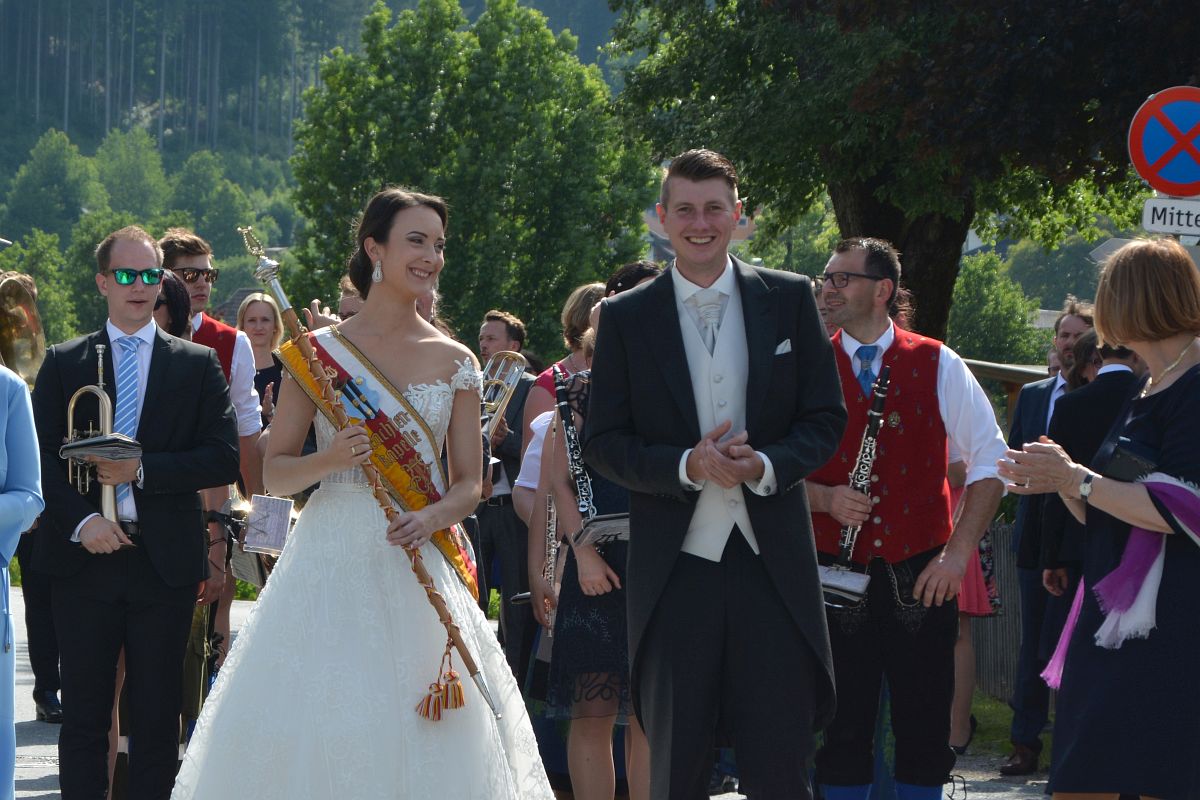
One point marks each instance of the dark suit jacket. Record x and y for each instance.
(188, 434)
(509, 450)
(642, 417)
(1081, 422)
(1029, 422)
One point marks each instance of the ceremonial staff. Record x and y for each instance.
(446, 692)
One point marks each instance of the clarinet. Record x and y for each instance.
(839, 581)
(583, 484)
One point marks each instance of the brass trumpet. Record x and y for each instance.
(501, 375)
(80, 472)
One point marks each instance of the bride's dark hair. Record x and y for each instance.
(376, 222)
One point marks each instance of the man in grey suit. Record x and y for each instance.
(714, 394)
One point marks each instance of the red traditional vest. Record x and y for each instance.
(908, 482)
(219, 337)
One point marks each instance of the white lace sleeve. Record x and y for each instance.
(467, 378)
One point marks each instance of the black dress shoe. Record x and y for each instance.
(48, 707)
(961, 749)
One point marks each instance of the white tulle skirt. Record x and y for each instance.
(318, 696)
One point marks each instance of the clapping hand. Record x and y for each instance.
(319, 316)
(267, 401)
(727, 462)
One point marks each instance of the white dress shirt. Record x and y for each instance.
(531, 462)
(241, 383)
(1060, 388)
(966, 412)
(127, 509)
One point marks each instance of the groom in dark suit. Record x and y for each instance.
(130, 584)
(714, 394)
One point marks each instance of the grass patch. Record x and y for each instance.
(995, 723)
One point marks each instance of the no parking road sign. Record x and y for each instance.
(1164, 141)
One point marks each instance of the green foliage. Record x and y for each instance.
(38, 256)
(79, 267)
(991, 319)
(1049, 276)
(131, 169)
(913, 116)
(52, 189)
(501, 119)
(802, 247)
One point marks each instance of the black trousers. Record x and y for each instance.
(913, 647)
(722, 657)
(504, 537)
(115, 601)
(39, 620)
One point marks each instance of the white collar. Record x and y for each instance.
(1060, 384)
(145, 333)
(726, 284)
(1112, 368)
(851, 345)
(197, 320)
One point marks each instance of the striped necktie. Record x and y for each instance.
(126, 419)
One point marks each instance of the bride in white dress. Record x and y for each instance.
(318, 696)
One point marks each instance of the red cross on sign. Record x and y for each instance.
(1164, 141)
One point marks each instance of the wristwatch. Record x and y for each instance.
(140, 476)
(1085, 487)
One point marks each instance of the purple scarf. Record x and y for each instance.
(1128, 595)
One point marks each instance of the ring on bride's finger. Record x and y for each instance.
(1027, 483)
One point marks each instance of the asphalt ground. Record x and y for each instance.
(37, 742)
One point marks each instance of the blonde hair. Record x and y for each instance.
(260, 297)
(1149, 290)
(577, 313)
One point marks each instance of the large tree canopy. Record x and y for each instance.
(918, 118)
(501, 119)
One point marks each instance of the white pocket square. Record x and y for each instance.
(783, 347)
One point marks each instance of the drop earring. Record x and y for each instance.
(377, 275)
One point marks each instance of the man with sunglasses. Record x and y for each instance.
(129, 584)
(906, 626)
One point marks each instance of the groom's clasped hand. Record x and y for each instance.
(727, 462)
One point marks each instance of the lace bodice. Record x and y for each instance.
(433, 401)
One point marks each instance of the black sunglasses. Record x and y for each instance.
(191, 274)
(126, 276)
(840, 279)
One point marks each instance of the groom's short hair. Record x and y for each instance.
(699, 165)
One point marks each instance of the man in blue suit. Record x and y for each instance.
(1031, 418)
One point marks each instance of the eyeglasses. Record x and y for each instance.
(840, 279)
(191, 274)
(126, 276)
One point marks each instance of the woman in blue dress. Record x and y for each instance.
(1128, 710)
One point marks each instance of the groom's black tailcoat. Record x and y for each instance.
(139, 599)
(643, 416)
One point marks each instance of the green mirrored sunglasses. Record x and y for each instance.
(126, 276)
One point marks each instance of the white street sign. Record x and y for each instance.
(1172, 215)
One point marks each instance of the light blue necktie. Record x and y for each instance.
(866, 378)
(125, 420)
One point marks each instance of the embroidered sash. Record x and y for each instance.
(403, 448)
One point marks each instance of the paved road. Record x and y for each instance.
(37, 755)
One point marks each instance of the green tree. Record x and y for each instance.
(916, 117)
(79, 267)
(803, 247)
(38, 256)
(1049, 275)
(52, 189)
(499, 117)
(992, 319)
(131, 170)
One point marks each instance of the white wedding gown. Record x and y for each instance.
(317, 698)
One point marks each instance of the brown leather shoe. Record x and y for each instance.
(1023, 761)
